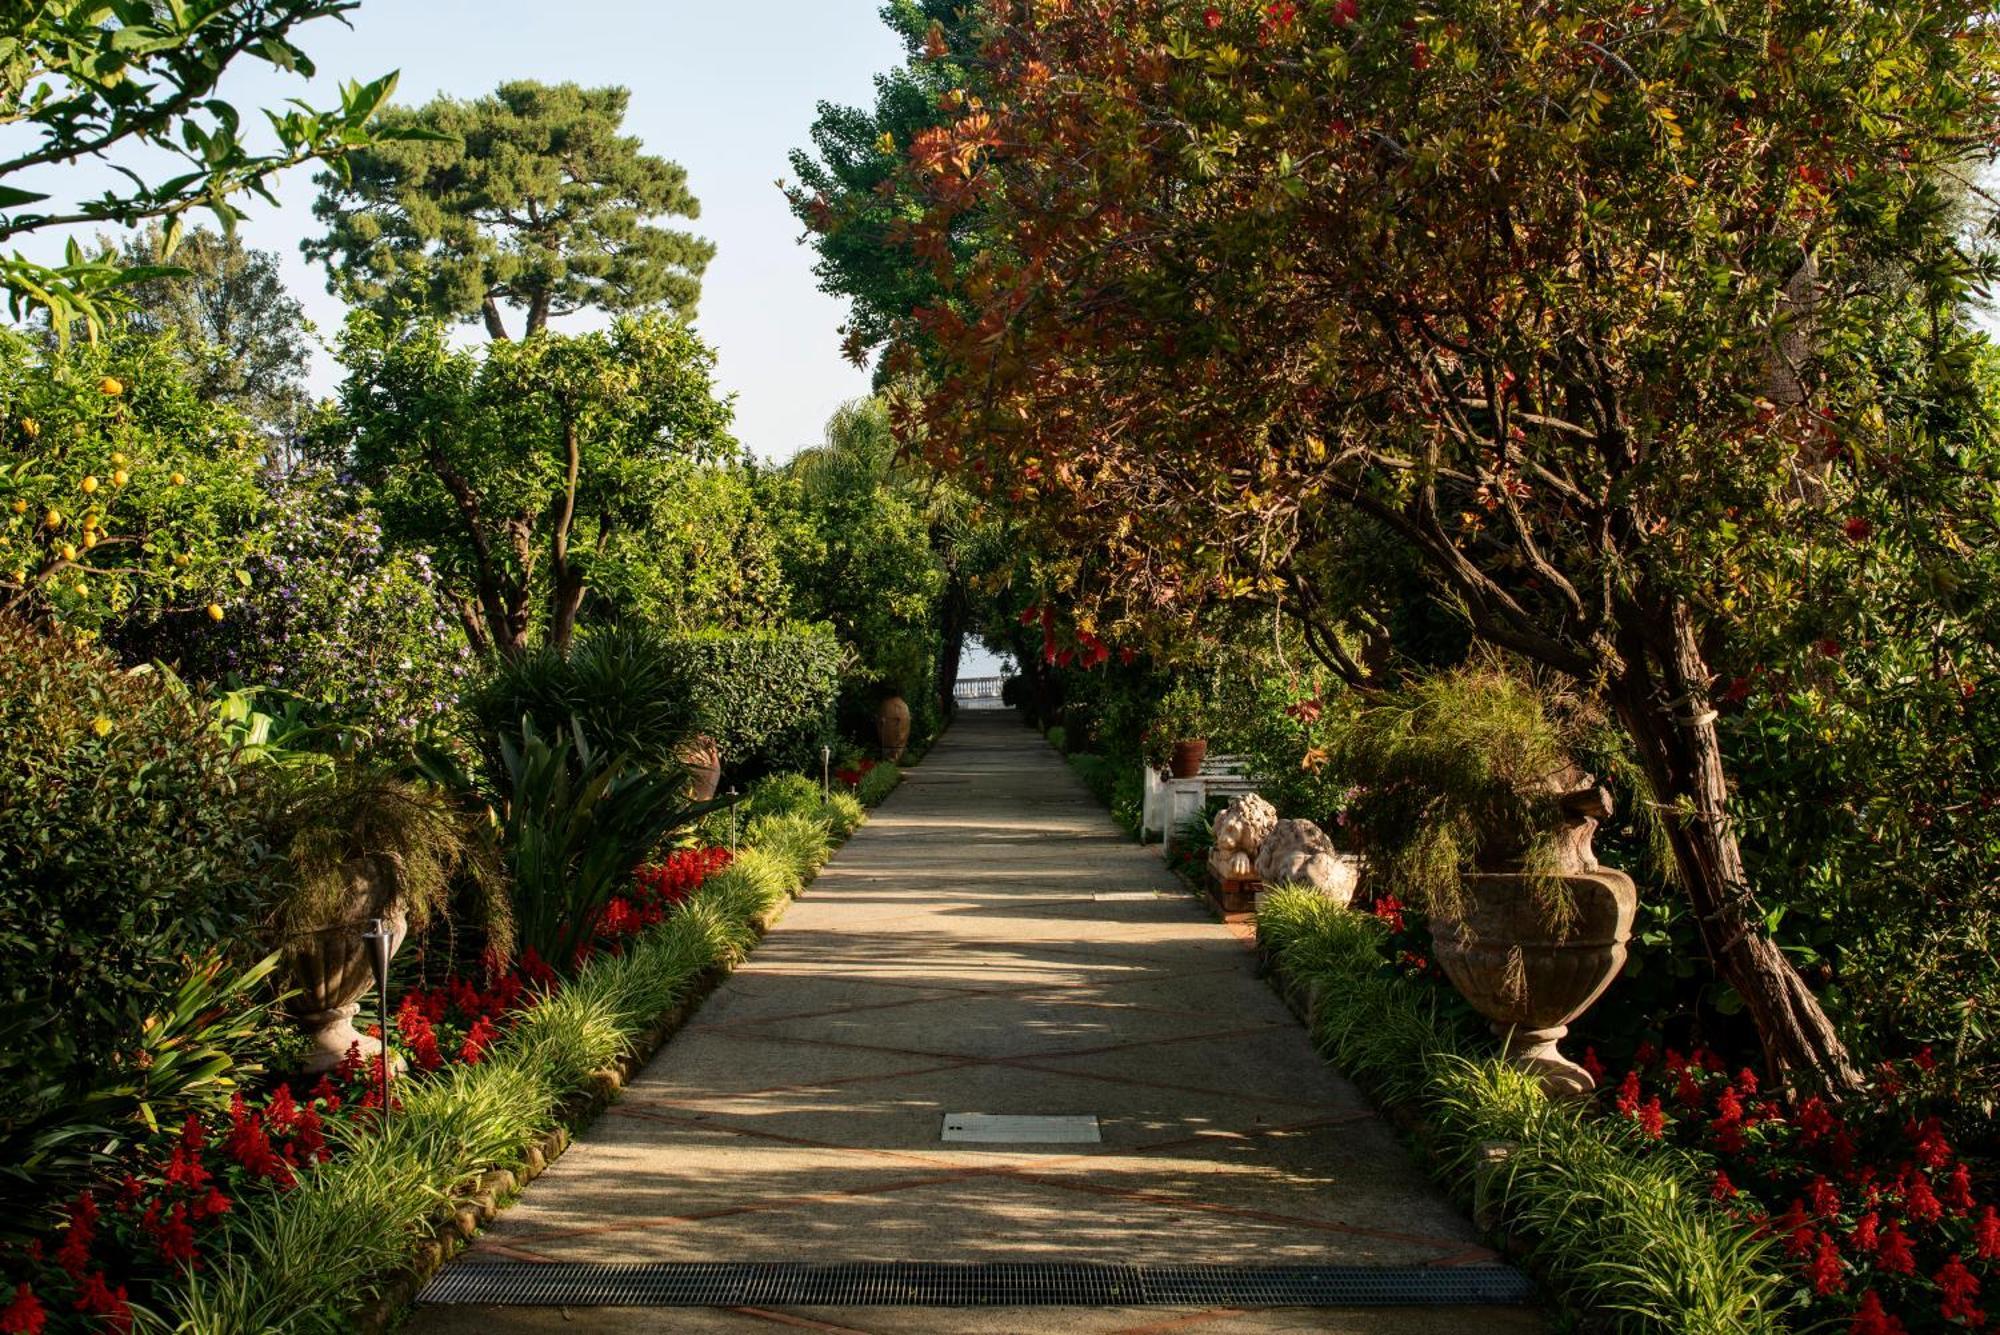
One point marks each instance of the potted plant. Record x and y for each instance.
(355, 844)
(1475, 811)
(1181, 721)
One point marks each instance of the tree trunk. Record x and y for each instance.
(538, 313)
(1661, 696)
(566, 588)
(496, 328)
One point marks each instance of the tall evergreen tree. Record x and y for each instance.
(530, 197)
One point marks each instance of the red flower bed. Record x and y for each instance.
(123, 1237)
(853, 775)
(1877, 1215)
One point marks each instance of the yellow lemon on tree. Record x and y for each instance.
(30, 428)
(215, 611)
(120, 478)
(89, 540)
(178, 479)
(182, 558)
(118, 458)
(111, 387)
(69, 551)
(20, 507)
(89, 484)
(53, 518)
(101, 726)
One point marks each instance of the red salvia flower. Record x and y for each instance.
(1870, 1319)
(1825, 1273)
(1824, 1197)
(1652, 1119)
(24, 1315)
(1867, 1232)
(1628, 1094)
(1958, 1288)
(1986, 1235)
(1213, 18)
(1895, 1254)
(1722, 1189)
(1920, 1203)
(1958, 1191)
(97, 1298)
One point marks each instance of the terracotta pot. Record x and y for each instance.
(703, 759)
(1531, 979)
(892, 727)
(1187, 758)
(331, 971)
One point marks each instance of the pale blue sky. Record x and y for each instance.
(724, 89)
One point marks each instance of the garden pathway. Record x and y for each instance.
(963, 954)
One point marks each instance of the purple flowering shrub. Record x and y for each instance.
(334, 618)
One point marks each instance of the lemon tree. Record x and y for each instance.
(121, 491)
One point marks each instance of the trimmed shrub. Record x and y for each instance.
(1059, 738)
(781, 795)
(129, 849)
(766, 696)
(623, 685)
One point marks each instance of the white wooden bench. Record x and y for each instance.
(1171, 803)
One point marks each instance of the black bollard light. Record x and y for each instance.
(825, 772)
(378, 939)
(734, 819)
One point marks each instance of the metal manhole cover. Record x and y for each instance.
(1014, 1129)
(942, 1284)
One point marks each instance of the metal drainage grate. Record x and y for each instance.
(942, 1284)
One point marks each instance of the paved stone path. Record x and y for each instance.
(960, 955)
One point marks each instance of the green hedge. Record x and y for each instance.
(1631, 1237)
(766, 696)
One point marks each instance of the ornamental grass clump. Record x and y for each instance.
(800, 840)
(1453, 768)
(358, 843)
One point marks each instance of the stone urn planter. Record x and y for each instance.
(1184, 761)
(703, 759)
(892, 727)
(330, 968)
(1530, 973)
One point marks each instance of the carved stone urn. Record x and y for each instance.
(330, 968)
(1531, 971)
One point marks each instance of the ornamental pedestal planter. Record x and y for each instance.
(1530, 978)
(1187, 757)
(892, 727)
(703, 761)
(331, 970)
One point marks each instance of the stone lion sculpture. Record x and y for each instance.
(1240, 829)
(1297, 852)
